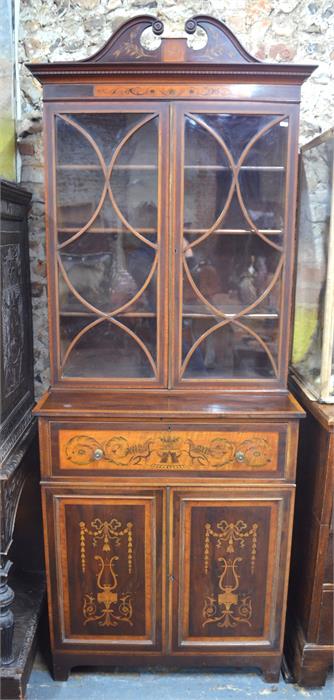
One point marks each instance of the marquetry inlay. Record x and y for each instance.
(174, 450)
(228, 606)
(107, 606)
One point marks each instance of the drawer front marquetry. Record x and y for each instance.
(168, 450)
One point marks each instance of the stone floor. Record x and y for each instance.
(138, 684)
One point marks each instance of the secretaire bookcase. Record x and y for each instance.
(168, 436)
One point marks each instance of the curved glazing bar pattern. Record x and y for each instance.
(78, 256)
(250, 302)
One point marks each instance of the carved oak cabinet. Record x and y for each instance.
(168, 436)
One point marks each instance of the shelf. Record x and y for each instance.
(229, 231)
(96, 229)
(256, 316)
(151, 314)
(78, 166)
(142, 166)
(91, 314)
(235, 231)
(256, 168)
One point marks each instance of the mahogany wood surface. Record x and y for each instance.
(170, 403)
(168, 501)
(309, 639)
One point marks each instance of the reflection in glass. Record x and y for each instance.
(313, 341)
(237, 131)
(106, 270)
(234, 187)
(230, 351)
(108, 351)
(231, 272)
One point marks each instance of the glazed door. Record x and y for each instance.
(104, 553)
(229, 562)
(108, 244)
(233, 226)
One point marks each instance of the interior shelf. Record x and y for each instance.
(133, 314)
(146, 166)
(230, 231)
(204, 315)
(237, 231)
(265, 168)
(84, 166)
(151, 314)
(105, 229)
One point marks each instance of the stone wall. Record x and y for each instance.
(54, 30)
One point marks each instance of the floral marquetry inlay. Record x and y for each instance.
(172, 450)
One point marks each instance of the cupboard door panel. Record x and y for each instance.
(229, 568)
(108, 551)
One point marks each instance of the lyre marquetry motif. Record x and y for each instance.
(108, 607)
(229, 606)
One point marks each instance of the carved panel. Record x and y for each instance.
(16, 357)
(226, 563)
(10, 493)
(12, 317)
(107, 551)
(169, 450)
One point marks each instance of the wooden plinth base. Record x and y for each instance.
(305, 663)
(29, 598)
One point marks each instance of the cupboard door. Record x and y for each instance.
(109, 243)
(229, 568)
(233, 229)
(104, 555)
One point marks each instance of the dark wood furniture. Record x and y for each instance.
(18, 451)
(168, 437)
(309, 645)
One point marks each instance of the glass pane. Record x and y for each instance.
(81, 137)
(106, 270)
(107, 244)
(231, 273)
(108, 351)
(213, 176)
(263, 196)
(314, 269)
(231, 351)
(232, 244)
(237, 131)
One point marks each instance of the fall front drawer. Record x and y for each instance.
(253, 450)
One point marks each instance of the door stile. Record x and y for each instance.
(177, 200)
